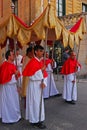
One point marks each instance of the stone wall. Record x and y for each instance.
(83, 53)
(84, 1)
(5, 9)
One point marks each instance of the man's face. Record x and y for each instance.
(12, 56)
(39, 53)
(31, 54)
(73, 55)
(17, 52)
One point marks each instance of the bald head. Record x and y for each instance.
(73, 55)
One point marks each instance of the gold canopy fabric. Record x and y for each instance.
(37, 31)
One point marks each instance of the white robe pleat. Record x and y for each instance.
(70, 89)
(10, 111)
(51, 88)
(33, 97)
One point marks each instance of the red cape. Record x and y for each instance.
(48, 61)
(6, 71)
(69, 66)
(33, 66)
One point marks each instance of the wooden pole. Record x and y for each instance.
(45, 47)
(78, 57)
(50, 71)
(15, 41)
(18, 81)
(76, 66)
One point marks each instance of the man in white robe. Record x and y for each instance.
(37, 80)
(9, 97)
(69, 69)
(29, 55)
(51, 89)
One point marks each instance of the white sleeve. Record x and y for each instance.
(55, 64)
(37, 76)
(78, 69)
(49, 68)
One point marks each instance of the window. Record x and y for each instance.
(60, 6)
(84, 7)
(16, 6)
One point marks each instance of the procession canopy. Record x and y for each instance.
(14, 26)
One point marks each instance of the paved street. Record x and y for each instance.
(60, 115)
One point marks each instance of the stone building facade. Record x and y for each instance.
(5, 9)
(29, 10)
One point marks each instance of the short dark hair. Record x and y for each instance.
(29, 49)
(38, 47)
(7, 54)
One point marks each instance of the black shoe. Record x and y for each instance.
(34, 124)
(46, 98)
(73, 102)
(57, 95)
(70, 102)
(39, 125)
(60, 94)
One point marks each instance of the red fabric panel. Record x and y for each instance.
(20, 21)
(76, 26)
(6, 71)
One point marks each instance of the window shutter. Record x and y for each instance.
(73, 6)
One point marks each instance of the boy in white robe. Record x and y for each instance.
(51, 89)
(9, 98)
(37, 80)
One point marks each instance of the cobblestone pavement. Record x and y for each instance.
(60, 115)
